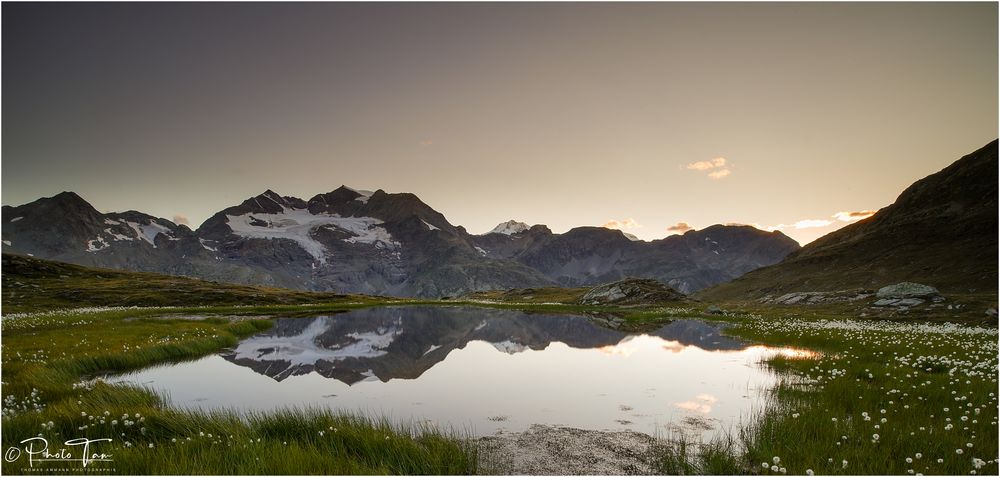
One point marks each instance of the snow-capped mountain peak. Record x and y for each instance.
(510, 227)
(365, 194)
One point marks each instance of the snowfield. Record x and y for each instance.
(510, 227)
(297, 225)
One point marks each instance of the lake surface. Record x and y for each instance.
(482, 370)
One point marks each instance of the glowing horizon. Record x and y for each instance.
(567, 115)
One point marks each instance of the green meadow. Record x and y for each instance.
(862, 397)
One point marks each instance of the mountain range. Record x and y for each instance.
(940, 231)
(353, 241)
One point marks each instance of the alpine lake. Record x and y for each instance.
(483, 371)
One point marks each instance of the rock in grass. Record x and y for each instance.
(631, 291)
(906, 290)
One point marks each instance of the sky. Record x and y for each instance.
(650, 117)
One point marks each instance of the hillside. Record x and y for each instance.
(941, 231)
(30, 284)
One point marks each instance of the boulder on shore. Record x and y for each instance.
(631, 291)
(905, 290)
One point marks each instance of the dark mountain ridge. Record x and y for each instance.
(940, 231)
(354, 241)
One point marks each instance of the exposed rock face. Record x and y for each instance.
(631, 292)
(941, 230)
(816, 298)
(595, 255)
(353, 241)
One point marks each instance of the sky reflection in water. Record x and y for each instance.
(482, 370)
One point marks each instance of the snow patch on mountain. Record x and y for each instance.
(15, 219)
(429, 226)
(432, 348)
(509, 347)
(148, 232)
(365, 194)
(481, 251)
(117, 236)
(205, 245)
(631, 237)
(97, 244)
(297, 225)
(111, 222)
(510, 227)
(6, 242)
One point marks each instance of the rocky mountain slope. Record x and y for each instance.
(941, 231)
(352, 241)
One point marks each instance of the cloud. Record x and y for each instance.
(741, 224)
(812, 223)
(853, 216)
(717, 166)
(706, 165)
(680, 227)
(426, 142)
(719, 174)
(180, 219)
(628, 223)
(702, 403)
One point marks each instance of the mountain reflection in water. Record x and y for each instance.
(404, 342)
(481, 370)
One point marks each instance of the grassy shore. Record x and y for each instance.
(876, 397)
(47, 356)
(905, 394)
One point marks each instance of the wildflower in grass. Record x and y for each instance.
(959, 451)
(776, 459)
(150, 445)
(918, 455)
(774, 468)
(764, 465)
(843, 464)
(909, 460)
(809, 472)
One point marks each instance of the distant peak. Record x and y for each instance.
(69, 199)
(361, 192)
(68, 196)
(510, 227)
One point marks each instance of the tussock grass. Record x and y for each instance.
(45, 358)
(935, 386)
